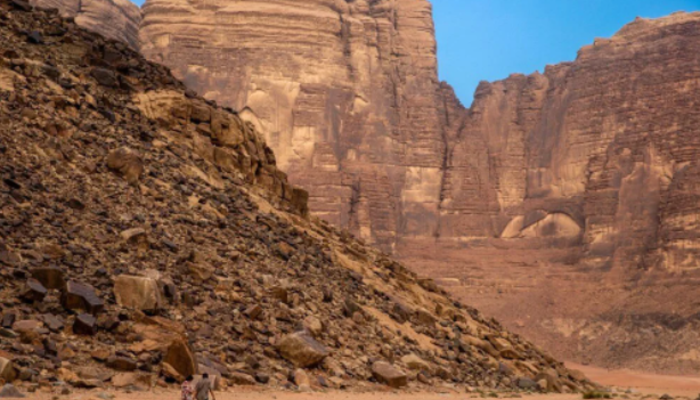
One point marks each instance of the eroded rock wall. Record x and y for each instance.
(346, 92)
(609, 141)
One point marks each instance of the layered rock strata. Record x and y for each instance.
(346, 93)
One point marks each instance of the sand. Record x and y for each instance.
(641, 386)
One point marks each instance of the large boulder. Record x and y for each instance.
(7, 370)
(389, 375)
(180, 358)
(137, 292)
(302, 350)
(79, 296)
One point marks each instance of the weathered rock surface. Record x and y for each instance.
(137, 292)
(302, 350)
(239, 264)
(115, 19)
(346, 94)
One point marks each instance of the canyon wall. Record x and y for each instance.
(346, 92)
(114, 19)
(600, 150)
(606, 146)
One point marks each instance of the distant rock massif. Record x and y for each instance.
(598, 157)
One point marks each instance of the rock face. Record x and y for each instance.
(115, 19)
(203, 261)
(346, 94)
(601, 148)
(357, 116)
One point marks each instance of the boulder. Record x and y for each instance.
(127, 163)
(526, 384)
(79, 296)
(239, 378)
(34, 292)
(302, 380)
(50, 277)
(133, 380)
(180, 358)
(137, 292)
(302, 350)
(121, 363)
(415, 363)
(389, 375)
(85, 324)
(7, 370)
(10, 392)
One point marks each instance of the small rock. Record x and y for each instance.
(301, 379)
(104, 77)
(239, 378)
(302, 350)
(35, 37)
(127, 163)
(79, 296)
(388, 374)
(34, 292)
(137, 292)
(10, 392)
(85, 324)
(121, 364)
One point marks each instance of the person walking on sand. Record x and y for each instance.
(187, 389)
(204, 388)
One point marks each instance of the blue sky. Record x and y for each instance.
(490, 39)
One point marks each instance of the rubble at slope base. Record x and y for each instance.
(146, 235)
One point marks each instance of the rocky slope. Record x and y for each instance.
(147, 234)
(580, 177)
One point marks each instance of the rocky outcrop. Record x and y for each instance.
(162, 241)
(115, 19)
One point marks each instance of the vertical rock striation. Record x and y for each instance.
(347, 93)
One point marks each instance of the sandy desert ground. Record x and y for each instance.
(628, 384)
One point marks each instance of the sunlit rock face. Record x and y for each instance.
(114, 19)
(346, 92)
(608, 142)
(348, 97)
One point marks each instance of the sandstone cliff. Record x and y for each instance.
(346, 93)
(603, 147)
(115, 19)
(146, 234)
